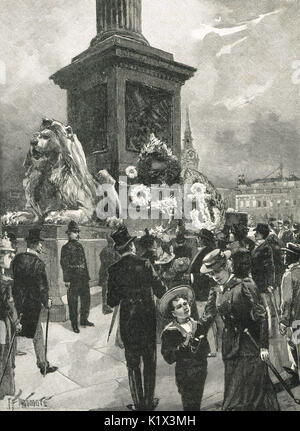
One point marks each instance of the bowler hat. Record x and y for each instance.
(171, 294)
(214, 260)
(263, 229)
(73, 227)
(292, 248)
(122, 238)
(206, 234)
(34, 235)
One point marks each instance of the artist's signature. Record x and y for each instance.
(16, 402)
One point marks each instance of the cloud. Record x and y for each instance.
(226, 49)
(250, 93)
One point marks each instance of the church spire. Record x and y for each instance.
(190, 158)
(188, 138)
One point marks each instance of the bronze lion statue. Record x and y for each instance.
(58, 185)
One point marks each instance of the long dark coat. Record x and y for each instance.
(262, 267)
(248, 386)
(131, 283)
(30, 290)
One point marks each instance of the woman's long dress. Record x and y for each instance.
(248, 386)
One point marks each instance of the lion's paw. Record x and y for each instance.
(19, 217)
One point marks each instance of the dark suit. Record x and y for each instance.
(30, 290)
(131, 283)
(262, 267)
(75, 271)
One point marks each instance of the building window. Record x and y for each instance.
(264, 203)
(287, 203)
(241, 204)
(278, 203)
(254, 204)
(295, 202)
(247, 204)
(259, 204)
(271, 204)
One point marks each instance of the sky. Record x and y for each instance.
(244, 99)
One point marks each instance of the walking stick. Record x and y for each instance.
(9, 351)
(46, 342)
(274, 370)
(275, 305)
(113, 319)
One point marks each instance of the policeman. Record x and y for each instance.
(76, 278)
(290, 305)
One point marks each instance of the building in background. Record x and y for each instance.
(189, 156)
(277, 197)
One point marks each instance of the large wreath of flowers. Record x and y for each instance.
(158, 151)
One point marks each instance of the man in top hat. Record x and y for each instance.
(30, 293)
(131, 283)
(296, 233)
(290, 305)
(76, 278)
(201, 283)
(148, 245)
(263, 270)
(184, 343)
(181, 249)
(285, 234)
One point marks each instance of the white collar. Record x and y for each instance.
(29, 250)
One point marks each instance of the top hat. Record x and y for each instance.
(73, 227)
(292, 248)
(206, 234)
(122, 238)
(5, 245)
(171, 294)
(34, 235)
(147, 241)
(263, 229)
(214, 260)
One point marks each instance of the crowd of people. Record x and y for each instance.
(225, 293)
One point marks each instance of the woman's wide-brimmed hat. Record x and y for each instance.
(214, 260)
(34, 235)
(5, 245)
(122, 238)
(171, 294)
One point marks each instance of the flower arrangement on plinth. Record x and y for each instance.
(157, 152)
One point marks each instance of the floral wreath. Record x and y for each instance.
(159, 151)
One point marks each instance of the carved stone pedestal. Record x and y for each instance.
(93, 241)
(121, 90)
